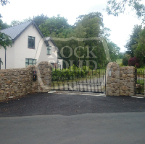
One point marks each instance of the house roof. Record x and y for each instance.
(49, 38)
(15, 31)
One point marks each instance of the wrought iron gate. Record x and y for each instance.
(79, 80)
(139, 81)
(0, 63)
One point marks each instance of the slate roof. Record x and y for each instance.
(16, 31)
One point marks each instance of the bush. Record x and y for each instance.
(70, 73)
(137, 65)
(133, 62)
(121, 64)
(125, 60)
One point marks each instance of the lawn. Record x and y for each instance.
(119, 61)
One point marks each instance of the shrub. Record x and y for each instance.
(121, 64)
(133, 62)
(125, 59)
(68, 74)
(137, 65)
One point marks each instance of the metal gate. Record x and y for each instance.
(0, 63)
(139, 81)
(79, 80)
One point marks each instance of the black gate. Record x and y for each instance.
(0, 63)
(79, 80)
(139, 81)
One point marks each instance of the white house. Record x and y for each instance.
(29, 47)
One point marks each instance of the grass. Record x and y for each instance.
(119, 61)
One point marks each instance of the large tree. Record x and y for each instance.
(115, 7)
(40, 19)
(53, 26)
(140, 50)
(3, 25)
(3, 2)
(133, 40)
(5, 40)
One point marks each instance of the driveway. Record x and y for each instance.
(70, 104)
(72, 118)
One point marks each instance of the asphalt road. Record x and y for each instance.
(74, 119)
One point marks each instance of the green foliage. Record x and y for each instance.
(121, 65)
(3, 2)
(15, 22)
(113, 50)
(125, 59)
(5, 40)
(121, 55)
(54, 26)
(119, 61)
(86, 26)
(133, 40)
(3, 25)
(70, 73)
(40, 19)
(115, 7)
(140, 50)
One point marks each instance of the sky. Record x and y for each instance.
(121, 27)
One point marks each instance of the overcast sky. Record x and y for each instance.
(121, 26)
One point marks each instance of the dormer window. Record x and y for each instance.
(49, 50)
(31, 42)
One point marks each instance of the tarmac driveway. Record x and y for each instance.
(74, 119)
(69, 104)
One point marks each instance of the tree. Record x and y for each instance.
(15, 22)
(113, 51)
(140, 50)
(40, 19)
(3, 25)
(133, 40)
(115, 7)
(120, 55)
(3, 2)
(92, 22)
(125, 59)
(54, 26)
(5, 40)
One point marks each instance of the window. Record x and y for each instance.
(49, 50)
(31, 42)
(30, 61)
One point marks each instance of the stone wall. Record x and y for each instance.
(120, 81)
(19, 82)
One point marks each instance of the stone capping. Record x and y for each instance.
(19, 82)
(121, 82)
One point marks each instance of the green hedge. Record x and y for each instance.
(70, 73)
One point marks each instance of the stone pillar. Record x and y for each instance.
(127, 81)
(112, 79)
(120, 81)
(43, 83)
